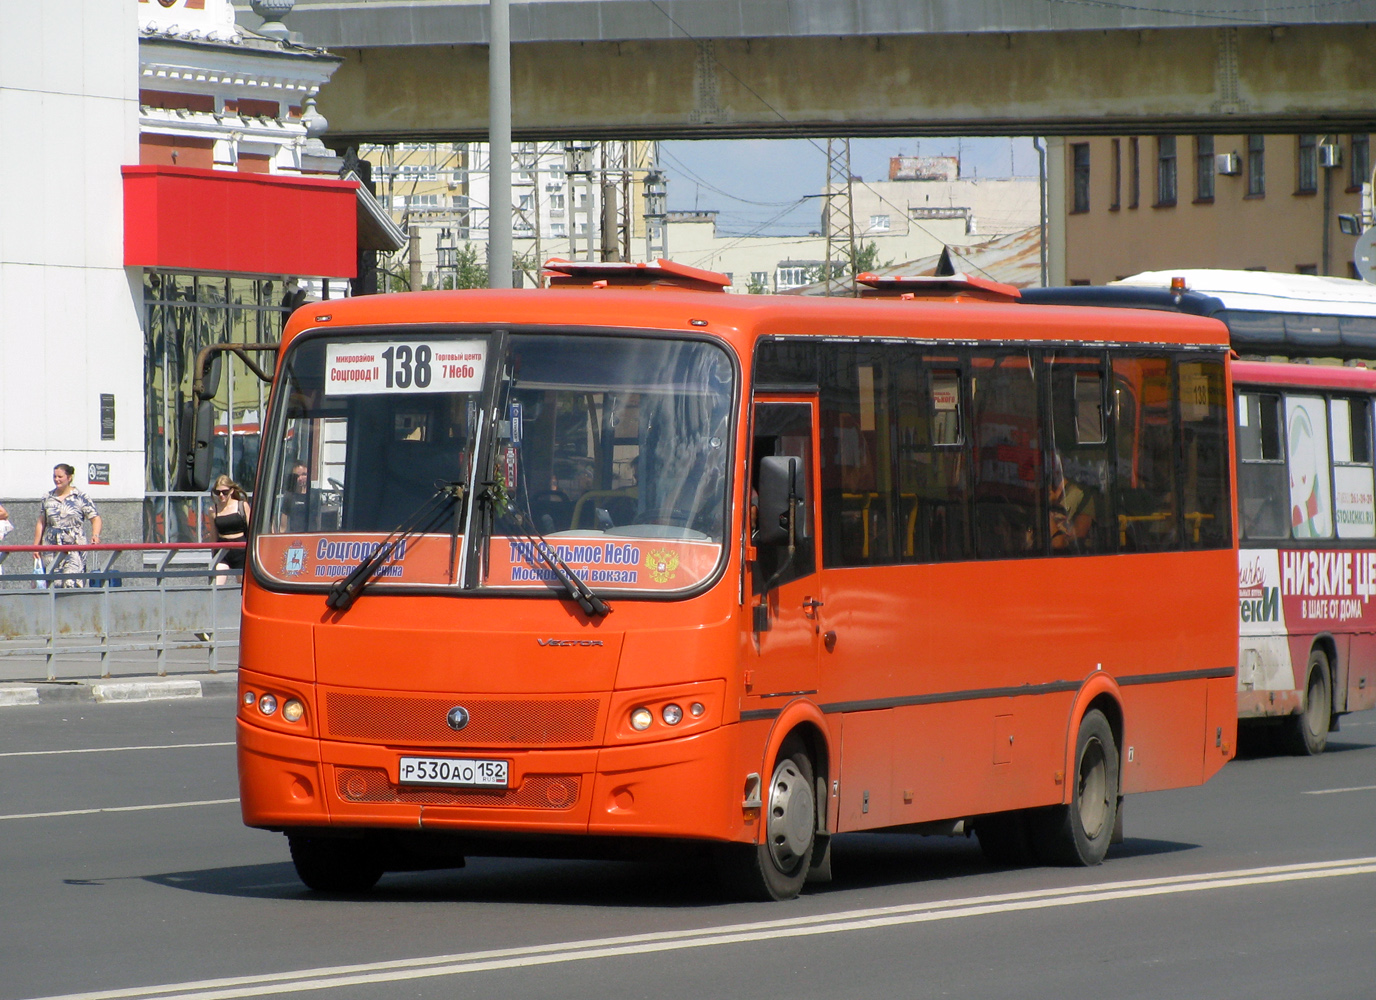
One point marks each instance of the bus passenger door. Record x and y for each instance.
(785, 591)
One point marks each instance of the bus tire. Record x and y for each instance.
(1005, 839)
(777, 868)
(334, 864)
(1079, 832)
(1307, 732)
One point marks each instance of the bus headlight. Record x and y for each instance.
(267, 704)
(671, 715)
(293, 710)
(641, 719)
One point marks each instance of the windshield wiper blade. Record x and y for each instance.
(592, 605)
(343, 593)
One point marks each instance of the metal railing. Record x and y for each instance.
(138, 602)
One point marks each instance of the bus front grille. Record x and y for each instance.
(492, 722)
(536, 791)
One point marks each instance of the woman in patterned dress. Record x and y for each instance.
(62, 521)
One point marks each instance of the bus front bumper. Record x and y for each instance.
(681, 788)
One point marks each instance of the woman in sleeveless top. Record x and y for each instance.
(230, 523)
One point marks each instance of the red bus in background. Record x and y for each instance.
(1307, 555)
(629, 565)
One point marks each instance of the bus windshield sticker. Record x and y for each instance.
(655, 564)
(358, 369)
(318, 558)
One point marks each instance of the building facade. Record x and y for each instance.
(1127, 204)
(184, 201)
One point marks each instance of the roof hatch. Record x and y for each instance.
(626, 274)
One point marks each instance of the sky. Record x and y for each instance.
(757, 185)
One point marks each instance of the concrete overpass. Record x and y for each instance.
(417, 69)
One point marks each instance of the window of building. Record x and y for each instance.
(1256, 166)
(1359, 161)
(1116, 195)
(1204, 168)
(1165, 170)
(182, 314)
(1079, 157)
(879, 222)
(790, 277)
(1306, 164)
(1134, 172)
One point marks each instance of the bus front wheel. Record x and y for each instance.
(778, 867)
(1079, 832)
(334, 864)
(1308, 731)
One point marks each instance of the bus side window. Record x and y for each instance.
(1009, 509)
(1263, 508)
(1352, 472)
(1306, 438)
(930, 448)
(1204, 452)
(1080, 467)
(1145, 485)
(857, 457)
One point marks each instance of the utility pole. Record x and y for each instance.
(499, 144)
(839, 223)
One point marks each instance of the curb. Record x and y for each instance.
(123, 691)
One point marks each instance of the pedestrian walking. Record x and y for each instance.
(6, 526)
(62, 518)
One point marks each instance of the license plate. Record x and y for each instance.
(453, 772)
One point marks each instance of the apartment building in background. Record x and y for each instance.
(1292, 203)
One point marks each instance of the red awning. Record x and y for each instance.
(180, 218)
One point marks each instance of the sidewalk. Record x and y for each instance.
(132, 677)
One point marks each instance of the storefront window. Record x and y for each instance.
(182, 314)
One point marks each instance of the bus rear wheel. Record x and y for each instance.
(335, 864)
(777, 868)
(1307, 733)
(1079, 832)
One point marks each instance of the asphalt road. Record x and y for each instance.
(1260, 884)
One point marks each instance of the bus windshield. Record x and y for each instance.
(612, 447)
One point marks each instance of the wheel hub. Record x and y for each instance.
(791, 816)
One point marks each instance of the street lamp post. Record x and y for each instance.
(499, 145)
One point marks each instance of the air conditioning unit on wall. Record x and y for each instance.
(1330, 155)
(1228, 163)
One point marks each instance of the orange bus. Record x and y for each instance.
(1306, 498)
(629, 565)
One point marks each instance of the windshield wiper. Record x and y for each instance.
(343, 593)
(592, 605)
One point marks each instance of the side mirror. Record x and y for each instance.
(780, 495)
(210, 386)
(194, 447)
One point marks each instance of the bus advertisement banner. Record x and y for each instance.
(1306, 591)
(327, 558)
(654, 564)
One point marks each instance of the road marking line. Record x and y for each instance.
(164, 746)
(120, 809)
(1335, 791)
(334, 977)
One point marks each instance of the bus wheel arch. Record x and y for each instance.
(793, 811)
